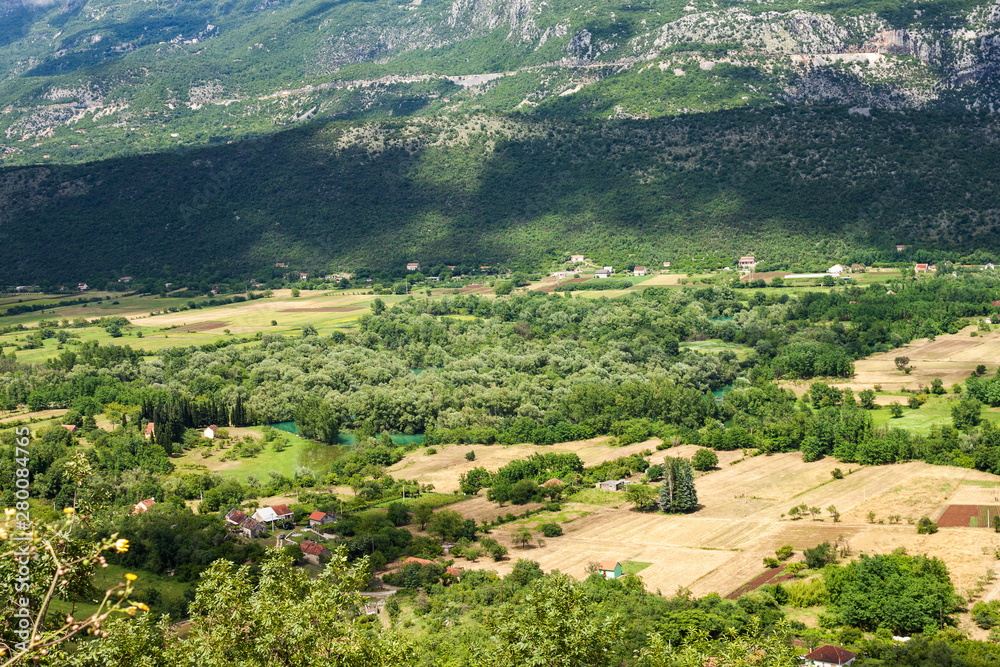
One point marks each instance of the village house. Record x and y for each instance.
(413, 266)
(835, 270)
(576, 259)
(639, 271)
(125, 279)
(143, 506)
(857, 268)
(210, 432)
(988, 266)
(900, 248)
(613, 484)
(749, 262)
(610, 569)
(272, 514)
(829, 656)
(83, 287)
(281, 265)
(606, 272)
(72, 428)
(666, 265)
(235, 517)
(150, 430)
(251, 528)
(313, 551)
(319, 518)
(921, 268)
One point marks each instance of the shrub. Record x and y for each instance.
(551, 529)
(770, 562)
(837, 473)
(926, 527)
(470, 455)
(820, 556)
(430, 451)
(806, 593)
(784, 553)
(704, 459)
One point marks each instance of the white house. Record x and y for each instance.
(210, 432)
(272, 514)
(835, 270)
(829, 656)
(603, 273)
(413, 266)
(576, 259)
(639, 271)
(747, 262)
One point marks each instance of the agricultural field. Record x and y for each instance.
(743, 518)
(444, 468)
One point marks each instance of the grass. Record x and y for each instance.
(598, 497)
(715, 346)
(935, 412)
(300, 452)
(631, 567)
(113, 575)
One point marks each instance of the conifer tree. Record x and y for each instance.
(678, 492)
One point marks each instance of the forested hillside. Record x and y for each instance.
(793, 186)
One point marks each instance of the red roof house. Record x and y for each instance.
(150, 430)
(829, 656)
(313, 551)
(143, 506)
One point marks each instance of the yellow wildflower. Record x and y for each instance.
(68, 510)
(10, 511)
(131, 577)
(121, 546)
(142, 605)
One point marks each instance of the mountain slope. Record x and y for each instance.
(87, 79)
(796, 187)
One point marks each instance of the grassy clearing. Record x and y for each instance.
(634, 567)
(935, 412)
(715, 346)
(598, 497)
(300, 452)
(113, 575)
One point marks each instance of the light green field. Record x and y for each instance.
(935, 412)
(715, 346)
(300, 452)
(634, 567)
(113, 575)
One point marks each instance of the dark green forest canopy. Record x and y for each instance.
(792, 186)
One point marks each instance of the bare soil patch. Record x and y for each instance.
(39, 414)
(769, 577)
(552, 287)
(962, 516)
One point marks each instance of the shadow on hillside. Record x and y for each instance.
(666, 186)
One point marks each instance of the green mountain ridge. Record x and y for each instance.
(214, 138)
(792, 186)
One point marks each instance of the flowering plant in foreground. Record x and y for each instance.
(39, 562)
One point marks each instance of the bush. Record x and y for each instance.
(784, 553)
(837, 473)
(551, 529)
(704, 459)
(430, 451)
(470, 455)
(770, 562)
(820, 556)
(926, 527)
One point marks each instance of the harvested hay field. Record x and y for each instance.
(950, 357)
(663, 279)
(968, 516)
(444, 468)
(200, 326)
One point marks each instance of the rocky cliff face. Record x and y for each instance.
(72, 75)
